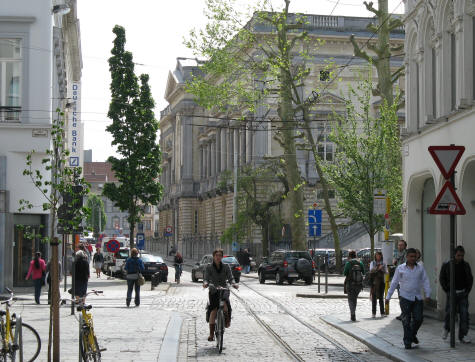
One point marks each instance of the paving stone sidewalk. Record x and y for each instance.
(384, 335)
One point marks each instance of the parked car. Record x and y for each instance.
(197, 272)
(153, 264)
(289, 265)
(365, 256)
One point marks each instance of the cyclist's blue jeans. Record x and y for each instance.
(130, 286)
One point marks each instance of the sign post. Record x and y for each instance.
(140, 237)
(448, 203)
(314, 222)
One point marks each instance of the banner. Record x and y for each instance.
(75, 128)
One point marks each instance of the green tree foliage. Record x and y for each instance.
(55, 181)
(247, 69)
(261, 189)
(134, 131)
(367, 158)
(97, 219)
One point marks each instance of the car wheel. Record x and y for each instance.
(278, 278)
(194, 279)
(308, 280)
(237, 279)
(262, 279)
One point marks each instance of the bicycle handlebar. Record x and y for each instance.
(9, 300)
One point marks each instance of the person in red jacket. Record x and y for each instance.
(37, 271)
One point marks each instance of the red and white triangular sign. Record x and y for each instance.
(447, 202)
(446, 158)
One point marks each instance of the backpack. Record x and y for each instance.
(356, 274)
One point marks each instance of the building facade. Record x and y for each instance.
(198, 148)
(40, 58)
(440, 83)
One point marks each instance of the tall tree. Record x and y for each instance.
(97, 219)
(261, 189)
(367, 158)
(248, 69)
(134, 130)
(56, 183)
(383, 50)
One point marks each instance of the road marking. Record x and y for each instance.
(171, 340)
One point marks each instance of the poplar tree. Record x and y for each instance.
(97, 219)
(134, 131)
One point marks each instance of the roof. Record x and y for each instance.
(99, 172)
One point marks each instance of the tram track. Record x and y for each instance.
(343, 351)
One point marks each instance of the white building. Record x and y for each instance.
(40, 58)
(440, 83)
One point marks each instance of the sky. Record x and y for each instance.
(155, 30)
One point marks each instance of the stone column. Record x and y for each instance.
(223, 150)
(205, 161)
(230, 133)
(464, 68)
(209, 158)
(218, 150)
(242, 147)
(213, 157)
(201, 161)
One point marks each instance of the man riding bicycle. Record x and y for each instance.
(178, 263)
(218, 274)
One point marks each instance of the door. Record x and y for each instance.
(428, 236)
(24, 252)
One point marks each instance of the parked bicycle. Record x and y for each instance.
(88, 345)
(18, 338)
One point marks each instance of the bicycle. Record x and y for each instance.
(24, 340)
(178, 271)
(220, 319)
(88, 345)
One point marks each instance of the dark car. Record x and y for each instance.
(153, 264)
(287, 265)
(197, 272)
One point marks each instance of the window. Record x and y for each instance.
(10, 79)
(148, 224)
(196, 222)
(116, 222)
(324, 76)
(331, 194)
(326, 148)
(125, 223)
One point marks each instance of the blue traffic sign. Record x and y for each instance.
(235, 246)
(315, 230)
(314, 216)
(140, 241)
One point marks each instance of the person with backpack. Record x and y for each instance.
(37, 271)
(377, 270)
(134, 266)
(411, 279)
(354, 271)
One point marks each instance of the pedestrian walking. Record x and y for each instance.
(246, 261)
(178, 264)
(37, 272)
(81, 276)
(133, 266)
(377, 270)
(354, 271)
(48, 278)
(98, 260)
(463, 286)
(399, 260)
(411, 279)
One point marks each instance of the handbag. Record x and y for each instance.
(140, 279)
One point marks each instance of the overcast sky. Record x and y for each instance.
(155, 30)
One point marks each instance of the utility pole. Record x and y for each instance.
(236, 158)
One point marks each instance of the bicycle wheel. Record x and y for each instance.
(220, 330)
(84, 346)
(97, 351)
(30, 340)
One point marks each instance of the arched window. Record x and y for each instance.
(428, 73)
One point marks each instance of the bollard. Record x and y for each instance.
(326, 273)
(319, 266)
(155, 280)
(386, 288)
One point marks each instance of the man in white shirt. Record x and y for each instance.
(411, 278)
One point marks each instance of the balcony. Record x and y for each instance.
(10, 114)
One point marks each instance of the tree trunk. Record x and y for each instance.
(324, 183)
(265, 238)
(131, 237)
(382, 63)
(54, 280)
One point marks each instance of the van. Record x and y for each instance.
(109, 265)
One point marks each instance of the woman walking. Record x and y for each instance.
(377, 271)
(37, 272)
(133, 266)
(98, 260)
(81, 276)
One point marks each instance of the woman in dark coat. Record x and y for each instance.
(133, 266)
(81, 276)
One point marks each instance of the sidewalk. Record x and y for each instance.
(384, 335)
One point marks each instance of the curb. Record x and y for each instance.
(377, 344)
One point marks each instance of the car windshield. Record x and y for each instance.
(298, 255)
(230, 260)
(122, 254)
(149, 258)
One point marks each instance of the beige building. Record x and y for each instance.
(198, 148)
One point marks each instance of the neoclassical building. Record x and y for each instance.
(440, 89)
(198, 148)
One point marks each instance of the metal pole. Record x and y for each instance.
(452, 273)
(73, 272)
(326, 273)
(65, 255)
(318, 266)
